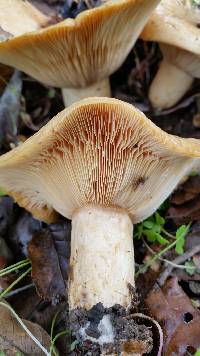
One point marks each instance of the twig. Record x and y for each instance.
(178, 260)
(149, 263)
(5, 291)
(19, 290)
(163, 259)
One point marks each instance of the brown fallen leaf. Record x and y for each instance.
(185, 202)
(187, 191)
(49, 254)
(180, 321)
(13, 338)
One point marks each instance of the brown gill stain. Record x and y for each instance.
(139, 182)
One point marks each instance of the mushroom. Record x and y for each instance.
(105, 166)
(18, 17)
(78, 54)
(174, 24)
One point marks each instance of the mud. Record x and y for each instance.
(129, 336)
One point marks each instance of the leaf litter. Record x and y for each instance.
(13, 338)
(49, 253)
(179, 319)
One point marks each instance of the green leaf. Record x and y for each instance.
(151, 225)
(148, 224)
(197, 353)
(180, 236)
(182, 231)
(180, 246)
(157, 228)
(2, 193)
(151, 235)
(195, 3)
(162, 240)
(193, 174)
(51, 93)
(190, 268)
(139, 231)
(159, 219)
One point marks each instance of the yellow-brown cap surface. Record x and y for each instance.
(78, 52)
(99, 151)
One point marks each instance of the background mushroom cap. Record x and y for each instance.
(175, 22)
(18, 17)
(187, 61)
(99, 151)
(77, 52)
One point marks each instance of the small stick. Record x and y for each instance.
(19, 290)
(178, 260)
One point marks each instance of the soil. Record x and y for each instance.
(130, 336)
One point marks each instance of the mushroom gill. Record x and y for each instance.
(97, 152)
(82, 52)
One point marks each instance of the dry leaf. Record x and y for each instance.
(185, 202)
(13, 338)
(49, 254)
(180, 321)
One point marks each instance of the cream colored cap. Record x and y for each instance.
(99, 151)
(175, 22)
(18, 17)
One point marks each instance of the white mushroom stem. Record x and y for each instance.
(169, 85)
(98, 89)
(102, 258)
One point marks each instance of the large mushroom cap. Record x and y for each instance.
(175, 22)
(77, 52)
(99, 151)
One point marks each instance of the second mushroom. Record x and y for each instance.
(78, 54)
(175, 25)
